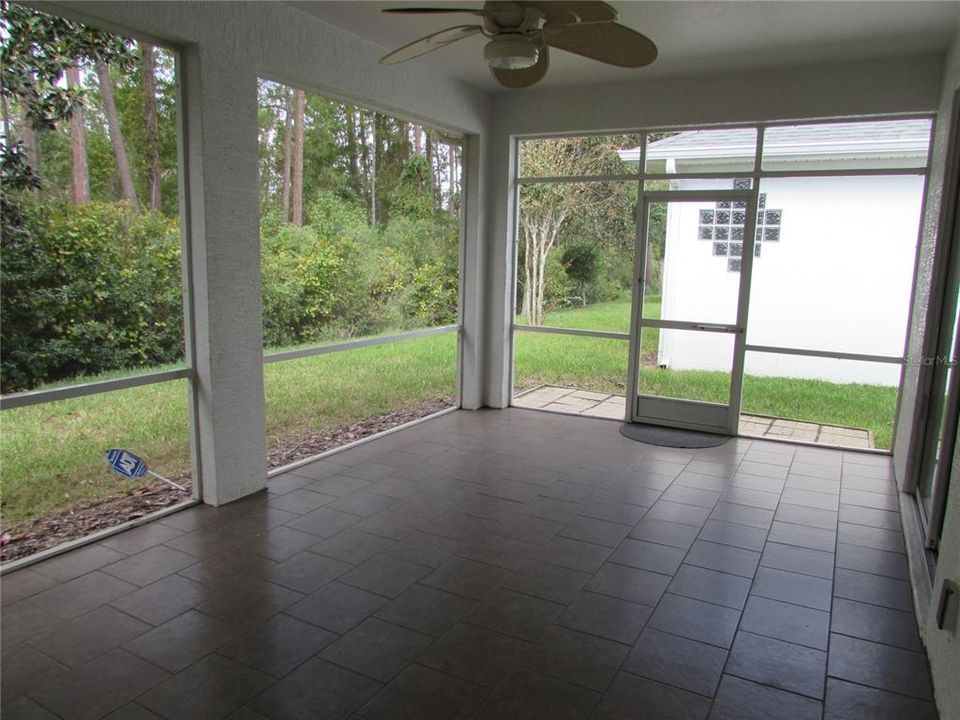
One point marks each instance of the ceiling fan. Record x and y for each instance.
(522, 32)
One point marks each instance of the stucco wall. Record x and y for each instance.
(839, 279)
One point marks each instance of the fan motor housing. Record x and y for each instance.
(511, 51)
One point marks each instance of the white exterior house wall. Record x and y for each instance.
(838, 280)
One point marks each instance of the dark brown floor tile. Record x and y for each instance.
(132, 711)
(695, 619)
(691, 496)
(352, 546)
(778, 664)
(98, 687)
(677, 661)
(803, 536)
(798, 559)
(306, 572)
(466, 577)
(711, 586)
(324, 522)
(338, 485)
(141, 538)
(548, 582)
(605, 616)
(806, 590)
(867, 499)
(876, 589)
(848, 701)
(627, 583)
(426, 610)
(364, 502)
(78, 562)
(878, 562)
(150, 565)
(475, 654)
(812, 517)
(232, 566)
(181, 641)
(675, 512)
(92, 634)
(576, 657)
(337, 607)
(316, 684)
(424, 549)
(880, 624)
(664, 533)
(659, 702)
(876, 538)
(279, 645)
(24, 669)
(880, 666)
(573, 554)
(741, 536)
(286, 482)
(208, 690)
(384, 575)
(723, 558)
(648, 556)
(23, 708)
(740, 699)
(23, 584)
(793, 623)
(616, 512)
(83, 594)
(248, 602)
(527, 695)
(161, 601)
(280, 543)
(870, 517)
(22, 621)
(515, 614)
(419, 692)
(743, 514)
(376, 649)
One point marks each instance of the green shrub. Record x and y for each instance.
(88, 289)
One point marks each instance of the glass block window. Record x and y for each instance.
(724, 226)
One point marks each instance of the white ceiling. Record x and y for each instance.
(693, 37)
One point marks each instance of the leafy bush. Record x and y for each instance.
(88, 289)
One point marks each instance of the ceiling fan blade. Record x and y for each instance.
(431, 11)
(528, 76)
(430, 43)
(572, 13)
(609, 43)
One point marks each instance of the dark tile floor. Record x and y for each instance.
(509, 564)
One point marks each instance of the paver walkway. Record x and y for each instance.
(602, 405)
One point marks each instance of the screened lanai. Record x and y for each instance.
(376, 520)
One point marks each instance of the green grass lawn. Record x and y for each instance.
(52, 454)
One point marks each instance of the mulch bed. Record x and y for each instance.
(85, 518)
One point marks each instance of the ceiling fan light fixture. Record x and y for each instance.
(511, 51)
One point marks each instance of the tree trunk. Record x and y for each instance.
(31, 142)
(352, 150)
(116, 136)
(418, 140)
(150, 137)
(287, 153)
(368, 182)
(296, 184)
(375, 167)
(451, 177)
(79, 176)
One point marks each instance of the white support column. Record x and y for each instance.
(220, 107)
(499, 277)
(472, 275)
